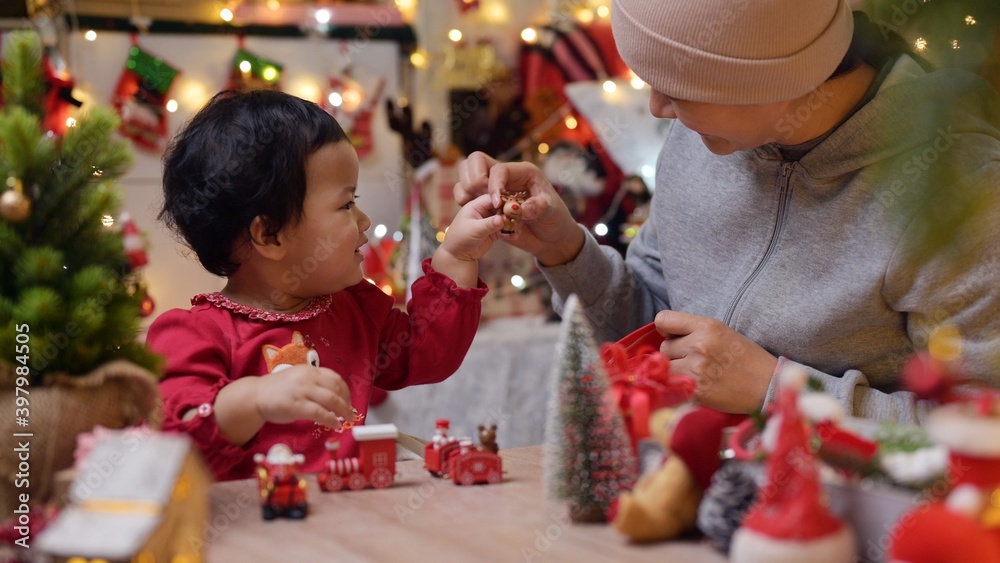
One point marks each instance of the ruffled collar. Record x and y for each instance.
(315, 306)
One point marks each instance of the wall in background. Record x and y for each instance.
(204, 61)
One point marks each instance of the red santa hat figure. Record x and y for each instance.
(134, 245)
(790, 521)
(965, 524)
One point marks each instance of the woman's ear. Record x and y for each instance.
(265, 242)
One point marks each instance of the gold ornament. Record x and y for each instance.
(14, 205)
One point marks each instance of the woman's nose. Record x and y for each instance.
(660, 105)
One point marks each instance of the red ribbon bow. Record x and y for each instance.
(641, 381)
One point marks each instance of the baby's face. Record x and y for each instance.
(324, 254)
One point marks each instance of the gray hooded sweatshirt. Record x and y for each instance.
(832, 261)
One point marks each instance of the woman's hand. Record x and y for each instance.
(546, 228)
(732, 371)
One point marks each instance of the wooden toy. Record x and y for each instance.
(282, 489)
(376, 466)
(460, 461)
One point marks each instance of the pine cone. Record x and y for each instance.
(733, 490)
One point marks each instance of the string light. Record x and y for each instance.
(455, 35)
(335, 99)
(529, 35)
(969, 20)
(920, 44)
(585, 16)
(171, 105)
(380, 231)
(70, 122)
(609, 86)
(418, 59)
(226, 14)
(323, 16)
(245, 66)
(600, 229)
(108, 221)
(518, 281)
(269, 73)
(495, 12)
(571, 122)
(91, 35)
(273, 5)
(945, 343)
(352, 99)
(603, 11)
(543, 148)
(954, 44)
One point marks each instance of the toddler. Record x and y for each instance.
(262, 186)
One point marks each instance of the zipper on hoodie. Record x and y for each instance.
(784, 194)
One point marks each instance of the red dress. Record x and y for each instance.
(356, 332)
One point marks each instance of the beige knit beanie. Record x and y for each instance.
(732, 51)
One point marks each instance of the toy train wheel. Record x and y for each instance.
(356, 481)
(381, 477)
(493, 477)
(333, 482)
(467, 478)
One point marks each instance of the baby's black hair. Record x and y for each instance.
(243, 155)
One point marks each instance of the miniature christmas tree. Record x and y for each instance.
(589, 458)
(67, 289)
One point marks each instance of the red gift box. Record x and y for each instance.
(641, 381)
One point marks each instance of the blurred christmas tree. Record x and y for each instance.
(947, 33)
(67, 285)
(589, 456)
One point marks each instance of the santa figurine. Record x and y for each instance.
(441, 436)
(133, 243)
(963, 525)
(282, 489)
(790, 521)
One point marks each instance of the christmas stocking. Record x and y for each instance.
(251, 72)
(141, 98)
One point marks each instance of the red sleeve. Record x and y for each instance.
(428, 344)
(198, 356)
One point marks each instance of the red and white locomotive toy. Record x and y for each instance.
(376, 466)
(282, 489)
(448, 457)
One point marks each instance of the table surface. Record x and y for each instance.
(422, 518)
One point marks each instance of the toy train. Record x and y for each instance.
(376, 466)
(447, 457)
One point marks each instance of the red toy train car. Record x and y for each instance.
(376, 466)
(447, 457)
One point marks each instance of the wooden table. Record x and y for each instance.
(421, 518)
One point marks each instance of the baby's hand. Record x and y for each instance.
(304, 392)
(474, 230)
